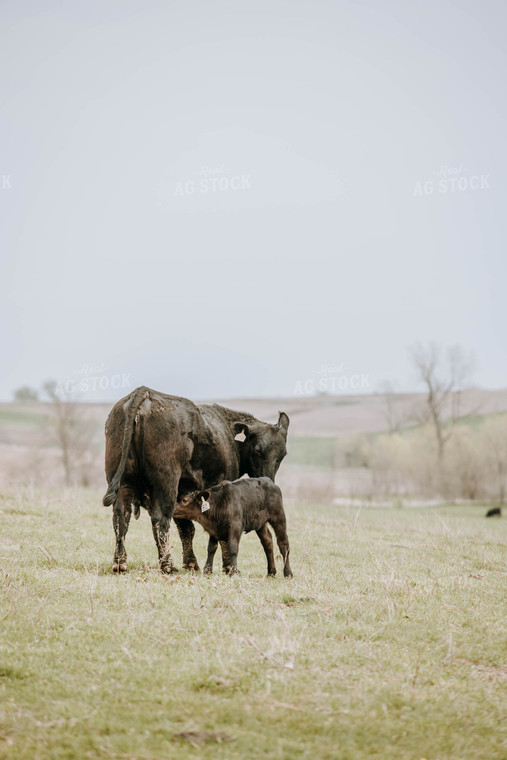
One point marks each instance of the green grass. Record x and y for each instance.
(475, 421)
(388, 643)
(25, 416)
(324, 452)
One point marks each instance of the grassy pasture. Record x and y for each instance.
(389, 642)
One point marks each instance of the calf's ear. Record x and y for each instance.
(283, 422)
(241, 431)
(205, 494)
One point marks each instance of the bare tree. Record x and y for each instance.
(25, 394)
(73, 432)
(495, 435)
(444, 373)
(394, 409)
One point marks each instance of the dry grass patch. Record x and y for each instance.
(388, 643)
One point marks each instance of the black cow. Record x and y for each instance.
(494, 512)
(160, 447)
(229, 509)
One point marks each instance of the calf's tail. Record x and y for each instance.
(136, 399)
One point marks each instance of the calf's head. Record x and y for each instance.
(262, 446)
(190, 506)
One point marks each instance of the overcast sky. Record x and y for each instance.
(219, 199)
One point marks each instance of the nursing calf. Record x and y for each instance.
(232, 508)
(160, 447)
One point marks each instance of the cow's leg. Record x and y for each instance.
(160, 523)
(186, 530)
(279, 526)
(212, 547)
(226, 559)
(121, 519)
(161, 511)
(267, 544)
(232, 547)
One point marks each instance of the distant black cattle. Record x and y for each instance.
(160, 447)
(495, 512)
(229, 509)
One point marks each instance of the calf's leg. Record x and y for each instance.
(267, 544)
(226, 559)
(232, 547)
(279, 526)
(212, 547)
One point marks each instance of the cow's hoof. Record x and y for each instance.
(208, 570)
(119, 567)
(193, 567)
(234, 571)
(168, 569)
(272, 574)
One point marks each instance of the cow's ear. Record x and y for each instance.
(205, 494)
(283, 423)
(241, 431)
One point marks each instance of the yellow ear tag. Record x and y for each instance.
(205, 504)
(240, 436)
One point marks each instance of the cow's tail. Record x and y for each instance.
(136, 399)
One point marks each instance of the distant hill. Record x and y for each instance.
(322, 415)
(345, 415)
(319, 461)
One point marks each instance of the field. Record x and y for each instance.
(388, 643)
(325, 445)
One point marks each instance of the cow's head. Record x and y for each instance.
(262, 446)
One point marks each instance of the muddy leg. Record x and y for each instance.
(160, 524)
(212, 547)
(267, 544)
(186, 530)
(161, 512)
(121, 520)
